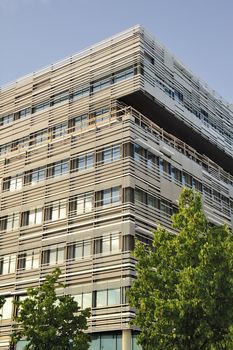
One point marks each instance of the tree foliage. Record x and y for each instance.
(51, 322)
(2, 301)
(184, 287)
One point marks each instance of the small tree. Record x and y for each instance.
(51, 322)
(184, 287)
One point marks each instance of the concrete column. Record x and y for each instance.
(126, 339)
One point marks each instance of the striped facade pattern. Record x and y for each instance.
(83, 171)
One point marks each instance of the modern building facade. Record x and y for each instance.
(94, 151)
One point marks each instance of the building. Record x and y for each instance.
(94, 151)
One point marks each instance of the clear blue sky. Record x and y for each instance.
(35, 33)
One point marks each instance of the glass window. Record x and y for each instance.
(40, 107)
(6, 184)
(85, 161)
(39, 137)
(21, 263)
(35, 216)
(86, 249)
(19, 144)
(32, 260)
(36, 260)
(95, 343)
(59, 210)
(6, 310)
(198, 185)
(138, 153)
(102, 114)
(124, 74)
(84, 203)
(7, 264)
(149, 58)
(59, 98)
(115, 194)
(110, 243)
(7, 119)
(78, 299)
(207, 192)
(16, 183)
(134, 343)
(59, 130)
(178, 95)
(52, 256)
(87, 300)
(84, 300)
(108, 341)
(5, 149)
(107, 196)
(115, 242)
(107, 156)
(79, 250)
(188, 180)
(21, 344)
(106, 246)
(89, 160)
(111, 196)
(101, 298)
(38, 175)
(108, 297)
(166, 167)
(81, 162)
(81, 93)
(101, 84)
(12, 222)
(80, 122)
(60, 168)
(111, 154)
(114, 296)
(24, 112)
(153, 202)
(116, 152)
(166, 207)
(177, 174)
(140, 196)
(56, 211)
(119, 342)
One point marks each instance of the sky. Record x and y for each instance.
(36, 33)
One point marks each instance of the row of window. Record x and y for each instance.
(85, 203)
(107, 155)
(74, 124)
(199, 112)
(79, 163)
(61, 129)
(154, 202)
(58, 210)
(98, 298)
(73, 96)
(101, 298)
(181, 177)
(82, 204)
(101, 341)
(58, 254)
(214, 170)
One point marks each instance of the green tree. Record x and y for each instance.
(2, 301)
(184, 287)
(51, 322)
